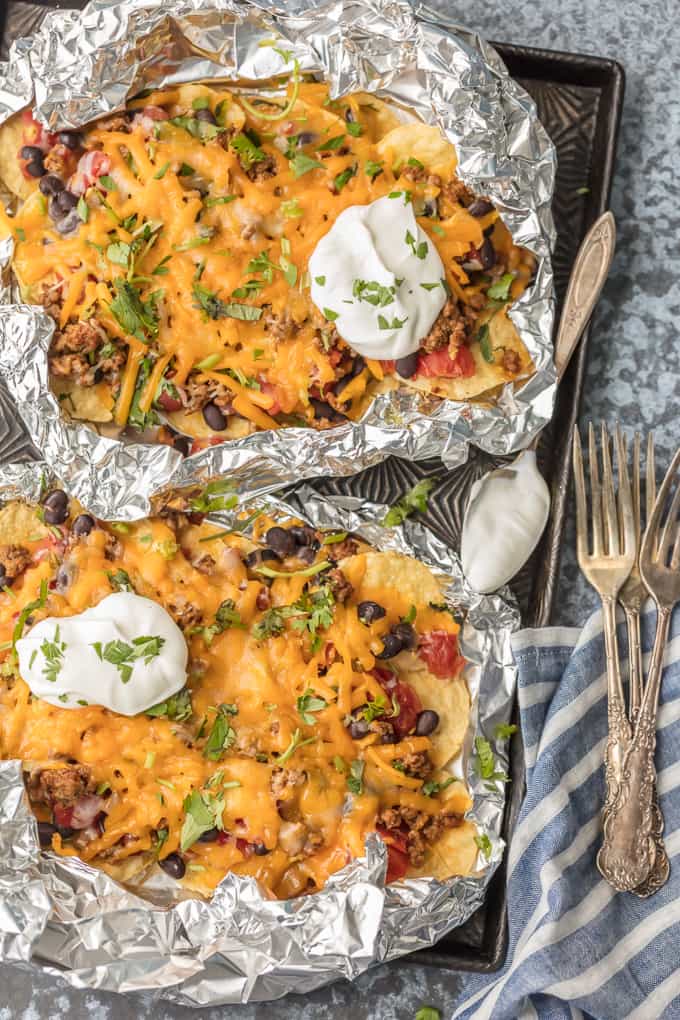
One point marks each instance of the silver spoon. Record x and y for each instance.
(508, 507)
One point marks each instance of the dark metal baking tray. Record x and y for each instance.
(579, 100)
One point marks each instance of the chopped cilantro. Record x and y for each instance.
(178, 707)
(330, 314)
(308, 703)
(504, 730)
(321, 280)
(200, 129)
(295, 742)
(27, 611)
(344, 177)
(428, 1013)
(331, 144)
(83, 209)
(247, 150)
(215, 308)
(372, 169)
(355, 129)
(222, 735)
(355, 783)
(226, 616)
(219, 200)
(120, 580)
(484, 844)
(484, 340)
(203, 811)
(53, 653)
(301, 164)
(419, 250)
(160, 173)
(291, 209)
(123, 656)
(414, 500)
(217, 495)
(431, 787)
(500, 290)
(373, 292)
(137, 317)
(396, 323)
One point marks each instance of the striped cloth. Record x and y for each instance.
(577, 948)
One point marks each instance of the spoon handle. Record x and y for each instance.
(591, 269)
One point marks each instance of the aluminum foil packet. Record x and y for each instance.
(81, 66)
(77, 922)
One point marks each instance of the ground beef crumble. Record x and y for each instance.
(64, 786)
(421, 829)
(14, 559)
(451, 329)
(339, 585)
(340, 550)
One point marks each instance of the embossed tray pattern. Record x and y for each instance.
(579, 101)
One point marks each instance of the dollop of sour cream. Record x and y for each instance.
(379, 278)
(126, 654)
(505, 517)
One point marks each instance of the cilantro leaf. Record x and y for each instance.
(484, 844)
(500, 290)
(295, 742)
(373, 292)
(431, 787)
(53, 653)
(203, 811)
(226, 616)
(414, 500)
(137, 317)
(301, 164)
(331, 144)
(201, 129)
(123, 656)
(355, 779)
(308, 703)
(503, 731)
(215, 308)
(222, 735)
(355, 129)
(396, 323)
(120, 580)
(428, 1013)
(484, 340)
(217, 495)
(177, 707)
(247, 151)
(372, 169)
(485, 758)
(344, 177)
(26, 612)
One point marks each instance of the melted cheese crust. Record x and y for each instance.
(149, 766)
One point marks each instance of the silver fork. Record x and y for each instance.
(634, 591)
(629, 850)
(606, 568)
(631, 598)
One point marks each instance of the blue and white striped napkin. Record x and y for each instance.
(578, 949)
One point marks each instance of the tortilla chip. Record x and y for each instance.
(454, 854)
(423, 142)
(20, 524)
(233, 116)
(130, 870)
(194, 425)
(373, 570)
(85, 403)
(378, 118)
(449, 698)
(11, 140)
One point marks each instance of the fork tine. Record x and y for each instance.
(636, 481)
(595, 492)
(650, 550)
(670, 526)
(628, 530)
(650, 475)
(675, 556)
(581, 509)
(611, 522)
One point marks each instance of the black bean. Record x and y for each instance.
(64, 831)
(36, 168)
(389, 737)
(487, 254)
(69, 223)
(349, 115)
(426, 723)
(182, 444)
(214, 418)
(408, 366)
(306, 554)
(357, 368)
(210, 836)
(304, 535)
(259, 556)
(368, 612)
(174, 866)
(83, 524)
(305, 138)
(430, 208)
(50, 185)
(391, 647)
(56, 507)
(358, 728)
(281, 541)
(65, 201)
(4, 580)
(323, 410)
(71, 139)
(45, 833)
(260, 849)
(206, 115)
(31, 152)
(480, 207)
(64, 578)
(406, 634)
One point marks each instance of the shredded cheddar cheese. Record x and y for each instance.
(275, 751)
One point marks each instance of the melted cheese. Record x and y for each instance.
(173, 181)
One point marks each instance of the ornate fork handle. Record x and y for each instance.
(628, 852)
(619, 737)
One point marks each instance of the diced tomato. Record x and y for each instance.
(439, 651)
(397, 864)
(407, 699)
(91, 166)
(48, 545)
(246, 848)
(168, 402)
(440, 363)
(155, 112)
(63, 816)
(335, 356)
(388, 366)
(203, 444)
(34, 133)
(272, 391)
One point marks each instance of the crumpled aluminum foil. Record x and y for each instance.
(76, 922)
(81, 66)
